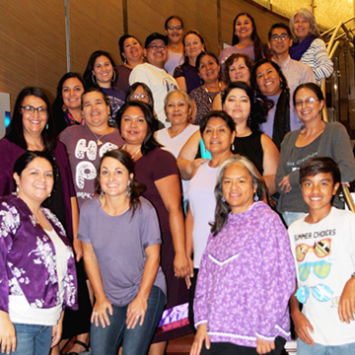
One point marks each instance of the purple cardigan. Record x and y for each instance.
(10, 152)
(246, 278)
(28, 259)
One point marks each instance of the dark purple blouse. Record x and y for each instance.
(192, 79)
(122, 82)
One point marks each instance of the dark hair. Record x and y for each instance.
(258, 108)
(15, 131)
(199, 35)
(220, 114)
(133, 88)
(88, 74)
(27, 157)
(125, 159)
(319, 165)
(222, 207)
(121, 44)
(170, 18)
(149, 143)
(93, 89)
(260, 48)
(203, 54)
(279, 25)
(311, 86)
(57, 106)
(231, 59)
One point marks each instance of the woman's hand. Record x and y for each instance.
(7, 334)
(57, 332)
(190, 274)
(136, 309)
(78, 249)
(197, 163)
(181, 265)
(302, 327)
(285, 184)
(200, 337)
(99, 312)
(263, 346)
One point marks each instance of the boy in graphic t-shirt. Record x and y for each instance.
(323, 246)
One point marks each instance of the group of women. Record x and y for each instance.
(122, 175)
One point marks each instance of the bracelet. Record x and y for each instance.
(353, 274)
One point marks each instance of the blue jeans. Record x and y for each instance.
(32, 339)
(318, 349)
(290, 217)
(137, 340)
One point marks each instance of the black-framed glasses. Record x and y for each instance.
(42, 111)
(283, 37)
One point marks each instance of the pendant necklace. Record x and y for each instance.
(134, 155)
(209, 99)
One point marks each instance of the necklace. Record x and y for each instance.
(134, 155)
(97, 138)
(209, 99)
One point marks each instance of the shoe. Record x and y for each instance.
(85, 352)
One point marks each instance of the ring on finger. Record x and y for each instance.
(95, 314)
(137, 316)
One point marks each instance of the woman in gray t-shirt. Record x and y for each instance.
(121, 242)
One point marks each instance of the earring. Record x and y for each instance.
(232, 147)
(113, 79)
(256, 197)
(93, 78)
(128, 192)
(125, 61)
(47, 126)
(17, 190)
(102, 194)
(49, 195)
(223, 199)
(64, 108)
(204, 149)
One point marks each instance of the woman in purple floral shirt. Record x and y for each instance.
(247, 274)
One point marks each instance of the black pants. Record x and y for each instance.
(191, 300)
(232, 349)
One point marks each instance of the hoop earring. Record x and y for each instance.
(114, 76)
(93, 78)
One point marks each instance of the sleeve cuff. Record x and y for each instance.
(264, 337)
(200, 322)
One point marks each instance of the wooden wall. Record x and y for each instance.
(33, 44)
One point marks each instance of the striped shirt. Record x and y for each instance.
(317, 58)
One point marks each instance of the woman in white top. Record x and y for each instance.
(217, 130)
(178, 108)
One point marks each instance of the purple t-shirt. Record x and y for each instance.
(117, 99)
(122, 82)
(84, 153)
(119, 243)
(249, 51)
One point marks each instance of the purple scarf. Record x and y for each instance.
(297, 49)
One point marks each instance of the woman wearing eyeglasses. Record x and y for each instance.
(174, 29)
(315, 139)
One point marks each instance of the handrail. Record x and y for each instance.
(331, 42)
(332, 29)
(348, 198)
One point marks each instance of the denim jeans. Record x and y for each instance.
(32, 339)
(137, 340)
(318, 349)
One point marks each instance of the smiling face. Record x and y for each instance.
(134, 127)
(318, 191)
(243, 27)
(34, 123)
(237, 105)
(280, 46)
(114, 177)
(36, 181)
(308, 106)
(208, 69)
(132, 50)
(238, 188)
(71, 91)
(174, 31)
(268, 80)
(217, 136)
(193, 46)
(95, 110)
(177, 109)
(140, 94)
(156, 53)
(103, 71)
(301, 27)
(239, 71)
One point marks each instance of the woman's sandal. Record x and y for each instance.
(86, 347)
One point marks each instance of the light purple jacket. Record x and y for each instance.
(246, 278)
(28, 259)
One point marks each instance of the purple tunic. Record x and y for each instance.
(189, 72)
(28, 259)
(246, 278)
(10, 152)
(122, 82)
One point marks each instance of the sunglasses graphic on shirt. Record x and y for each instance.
(320, 268)
(320, 248)
(321, 293)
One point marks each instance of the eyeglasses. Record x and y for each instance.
(307, 102)
(320, 248)
(30, 110)
(283, 37)
(320, 268)
(155, 48)
(171, 28)
(139, 96)
(321, 293)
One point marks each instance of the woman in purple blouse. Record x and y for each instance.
(247, 274)
(37, 266)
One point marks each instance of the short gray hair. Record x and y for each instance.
(183, 93)
(306, 14)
